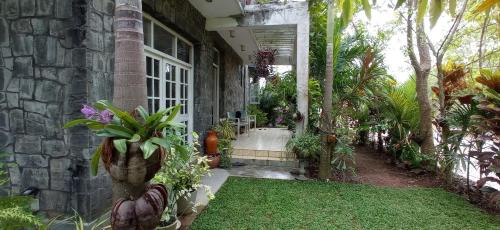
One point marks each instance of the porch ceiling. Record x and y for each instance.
(218, 8)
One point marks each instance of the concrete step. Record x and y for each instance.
(264, 158)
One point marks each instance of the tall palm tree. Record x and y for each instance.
(130, 74)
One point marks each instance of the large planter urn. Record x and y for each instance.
(211, 143)
(130, 172)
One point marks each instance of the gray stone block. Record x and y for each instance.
(63, 9)
(40, 26)
(36, 177)
(6, 52)
(96, 22)
(28, 144)
(94, 40)
(26, 88)
(54, 200)
(48, 91)
(60, 176)
(22, 45)
(108, 23)
(13, 85)
(12, 8)
(4, 33)
(4, 119)
(46, 73)
(45, 7)
(27, 7)
(54, 148)
(5, 139)
(22, 25)
(32, 161)
(23, 67)
(54, 111)
(35, 124)
(35, 107)
(15, 175)
(45, 50)
(16, 121)
(9, 65)
(12, 100)
(104, 6)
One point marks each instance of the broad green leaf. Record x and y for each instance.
(422, 9)
(135, 138)
(95, 126)
(120, 145)
(148, 148)
(142, 112)
(171, 124)
(94, 162)
(452, 7)
(485, 5)
(435, 11)
(104, 133)
(347, 11)
(76, 122)
(156, 117)
(119, 130)
(367, 8)
(164, 142)
(174, 112)
(124, 116)
(399, 3)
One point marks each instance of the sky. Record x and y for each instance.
(396, 60)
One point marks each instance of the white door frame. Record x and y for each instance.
(216, 88)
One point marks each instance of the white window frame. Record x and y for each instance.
(172, 60)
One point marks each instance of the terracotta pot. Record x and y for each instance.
(211, 143)
(213, 161)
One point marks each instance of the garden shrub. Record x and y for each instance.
(260, 115)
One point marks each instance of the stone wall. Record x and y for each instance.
(182, 17)
(55, 56)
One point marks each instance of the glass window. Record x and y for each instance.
(163, 40)
(183, 51)
(147, 31)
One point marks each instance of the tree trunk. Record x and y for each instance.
(422, 69)
(380, 141)
(130, 64)
(326, 114)
(130, 74)
(483, 33)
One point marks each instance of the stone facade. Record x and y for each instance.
(56, 55)
(184, 19)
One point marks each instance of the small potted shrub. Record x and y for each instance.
(306, 147)
(182, 173)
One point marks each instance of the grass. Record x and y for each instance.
(247, 203)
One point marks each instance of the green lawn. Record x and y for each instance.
(246, 203)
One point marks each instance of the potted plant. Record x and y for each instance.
(182, 173)
(134, 147)
(306, 146)
(225, 148)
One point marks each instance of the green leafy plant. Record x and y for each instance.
(225, 130)
(15, 211)
(152, 131)
(260, 115)
(225, 148)
(305, 146)
(182, 173)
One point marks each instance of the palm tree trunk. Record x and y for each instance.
(129, 76)
(326, 114)
(130, 67)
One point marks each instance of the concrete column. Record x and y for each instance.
(302, 60)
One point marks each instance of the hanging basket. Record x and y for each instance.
(264, 59)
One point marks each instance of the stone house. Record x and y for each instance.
(58, 54)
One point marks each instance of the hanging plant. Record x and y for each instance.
(264, 59)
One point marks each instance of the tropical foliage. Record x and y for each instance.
(152, 131)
